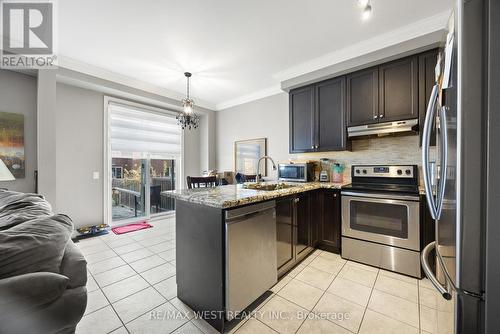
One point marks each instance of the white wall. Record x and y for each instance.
(18, 95)
(79, 147)
(268, 118)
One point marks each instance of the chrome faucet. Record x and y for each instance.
(257, 178)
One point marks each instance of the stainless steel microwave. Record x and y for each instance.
(302, 172)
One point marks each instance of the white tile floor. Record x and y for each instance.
(132, 275)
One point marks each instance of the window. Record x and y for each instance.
(145, 156)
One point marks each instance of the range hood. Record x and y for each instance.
(381, 129)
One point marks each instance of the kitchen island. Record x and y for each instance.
(228, 248)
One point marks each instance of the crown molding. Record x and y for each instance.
(99, 72)
(397, 36)
(269, 91)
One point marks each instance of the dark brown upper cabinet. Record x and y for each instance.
(302, 120)
(331, 134)
(398, 90)
(362, 97)
(426, 64)
(317, 117)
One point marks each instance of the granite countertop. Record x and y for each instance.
(234, 195)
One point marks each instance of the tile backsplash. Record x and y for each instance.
(391, 150)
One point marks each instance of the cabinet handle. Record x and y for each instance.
(312, 147)
(375, 117)
(381, 116)
(296, 200)
(334, 195)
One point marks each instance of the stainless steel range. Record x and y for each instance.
(381, 218)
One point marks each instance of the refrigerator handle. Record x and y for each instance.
(444, 161)
(431, 108)
(428, 271)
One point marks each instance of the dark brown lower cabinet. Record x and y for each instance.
(316, 200)
(285, 231)
(302, 215)
(330, 227)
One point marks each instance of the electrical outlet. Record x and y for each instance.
(95, 175)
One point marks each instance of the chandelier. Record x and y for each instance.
(187, 118)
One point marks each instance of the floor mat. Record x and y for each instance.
(131, 227)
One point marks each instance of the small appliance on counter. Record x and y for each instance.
(296, 172)
(325, 167)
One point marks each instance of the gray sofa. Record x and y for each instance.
(42, 273)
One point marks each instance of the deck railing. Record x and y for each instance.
(128, 199)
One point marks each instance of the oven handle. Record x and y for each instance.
(428, 271)
(382, 196)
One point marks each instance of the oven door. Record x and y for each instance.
(382, 218)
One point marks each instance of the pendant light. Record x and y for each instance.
(188, 118)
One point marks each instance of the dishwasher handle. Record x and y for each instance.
(237, 215)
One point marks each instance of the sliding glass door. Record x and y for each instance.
(145, 148)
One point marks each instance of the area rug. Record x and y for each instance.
(131, 227)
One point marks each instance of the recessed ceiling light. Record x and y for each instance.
(367, 12)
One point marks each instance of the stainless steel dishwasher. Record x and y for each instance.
(251, 264)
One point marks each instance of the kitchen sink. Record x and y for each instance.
(267, 186)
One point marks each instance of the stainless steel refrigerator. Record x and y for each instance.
(459, 179)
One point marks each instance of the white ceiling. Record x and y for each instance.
(234, 48)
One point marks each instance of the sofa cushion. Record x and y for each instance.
(29, 291)
(74, 266)
(18, 207)
(34, 245)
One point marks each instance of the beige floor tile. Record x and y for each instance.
(362, 266)
(321, 326)
(301, 294)
(295, 271)
(254, 326)
(394, 307)
(100, 256)
(160, 320)
(183, 308)
(340, 311)
(397, 288)
(281, 283)
(352, 291)
(127, 248)
(328, 265)
(152, 241)
(358, 275)
(315, 277)
(91, 284)
(147, 263)
(204, 326)
(118, 241)
(167, 288)
(376, 323)
(95, 301)
(91, 248)
(428, 319)
(162, 247)
(137, 304)
(400, 277)
(288, 320)
(331, 256)
(100, 322)
(168, 255)
(428, 297)
(136, 255)
(114, 275)
(309, 259)
(120, 330)
(102, 266)
(158, 274)
(188, 328)
(125, 288)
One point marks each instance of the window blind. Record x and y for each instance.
(143, 134)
